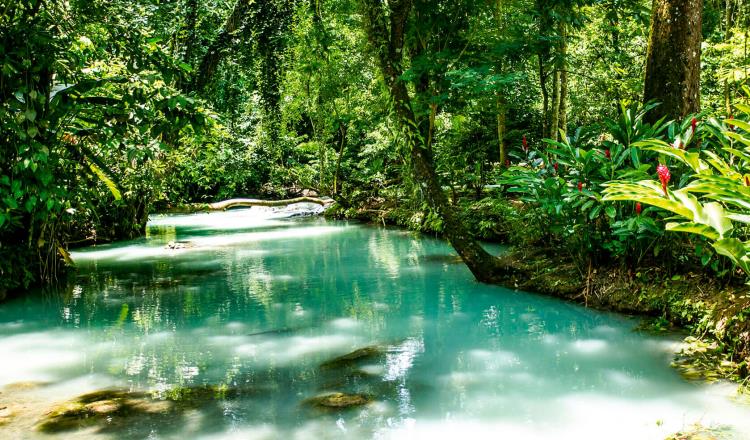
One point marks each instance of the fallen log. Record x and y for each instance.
(235, 203)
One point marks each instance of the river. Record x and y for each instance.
(231, 320)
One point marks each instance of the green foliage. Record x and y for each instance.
(714, 199)
(83, 117)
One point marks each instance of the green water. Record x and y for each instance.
(256, 303)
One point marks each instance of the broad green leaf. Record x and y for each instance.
(107, 181)
(744, 108)
(693, 228)
(646, 191)
(738, 137)
(735, 250)
(739, 124)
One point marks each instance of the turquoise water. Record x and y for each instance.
(254, 304)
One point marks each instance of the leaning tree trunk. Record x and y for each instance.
(386, 34)
(674, 57)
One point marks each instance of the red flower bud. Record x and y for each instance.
(694, 125)
(607, 154)
(580, 186)
(556, 166)
(525, 143)
(664, 176)
(638, 208)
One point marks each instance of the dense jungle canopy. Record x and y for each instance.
(526, 121)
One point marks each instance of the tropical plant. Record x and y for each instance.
(714, 202)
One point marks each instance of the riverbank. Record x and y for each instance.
(713, 313)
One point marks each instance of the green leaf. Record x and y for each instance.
(735, 250)
(107, 181)
(610, 211)
(645, 191)
(739, 124)
(692, 228)
(690, 159)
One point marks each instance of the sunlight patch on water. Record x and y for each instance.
(39, 356)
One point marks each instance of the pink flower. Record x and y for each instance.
(638, 208)
(664, 176)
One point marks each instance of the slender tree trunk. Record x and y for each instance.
(554, 123)
(343, 129)
(190, 35)
(501, 130)
(545, 96)
(673, 60)
(563, 109)
(727, 36)
(500, 104)
(218, 48)
(386, 33)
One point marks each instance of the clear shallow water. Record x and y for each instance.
(256, 303)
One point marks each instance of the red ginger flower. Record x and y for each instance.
(580, 186)
(608, 154)
(694, 124)
(638, 208)
(664, 176)
(555, 165)
(525, 144)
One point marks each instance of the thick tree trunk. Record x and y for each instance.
(673, 60)
(386, 33)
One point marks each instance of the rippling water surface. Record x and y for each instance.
(249, 305)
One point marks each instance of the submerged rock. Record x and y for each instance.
(174, 245)
(349, 359)
(109, 407)
(98, 408)
(23, 386)
(338, 401)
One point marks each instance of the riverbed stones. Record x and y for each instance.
(354, 357)
(338, 401)
(109, 407)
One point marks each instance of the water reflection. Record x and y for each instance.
(256, 304)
